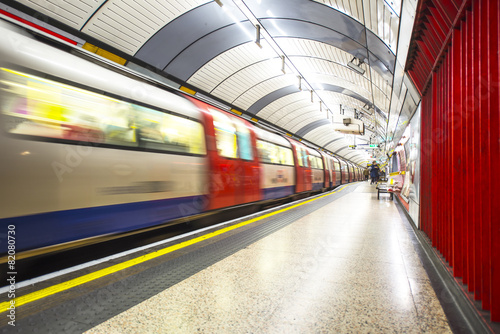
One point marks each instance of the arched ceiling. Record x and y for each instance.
(304, 46)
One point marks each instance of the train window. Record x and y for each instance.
(161, 131)
(314, 162)
(302, 157)
(298, 151)
(286, 156)
(305, 158)
(337, 166)
(268, 153)
(225, 135)
(244, 140)
(45, 108)
(318, 163)
(274, 154)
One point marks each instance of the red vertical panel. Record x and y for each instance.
(432, 148)
(435, 167)
(444, 157)
(442, 143)
(479, 147)
(482, 289)
(493, 18)
(449, 119)
(439, 162)
(471, 124)
(467, 140)
(448, 156)
(425, 163)
(439, 181)
(457, 162)
(479, 131)
(463, 94)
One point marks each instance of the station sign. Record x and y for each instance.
(363, 146)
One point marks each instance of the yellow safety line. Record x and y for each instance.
(31, 297)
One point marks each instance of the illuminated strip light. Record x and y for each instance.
(36, 26)
(187, 90)
(46, 292)
(104, 53)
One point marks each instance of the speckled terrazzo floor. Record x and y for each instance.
(349, 267)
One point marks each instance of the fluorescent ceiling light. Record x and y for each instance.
(366, 111)
(356, 68)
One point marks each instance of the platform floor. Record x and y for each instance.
(348, 267)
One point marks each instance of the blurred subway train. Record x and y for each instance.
(88, 151)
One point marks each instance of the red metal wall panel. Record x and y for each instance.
(469, 114)
(493, 225)
(461, 138)
(457, 186)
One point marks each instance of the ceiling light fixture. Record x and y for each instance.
(366, 111)
(257, 35)
(356, 67)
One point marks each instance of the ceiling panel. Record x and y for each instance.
(243, 80)
(295, 104)
(379, 17)
(269, 112)
(72, 13)
(128, 24)
(223, 66)
(257, 92)
(301, 119)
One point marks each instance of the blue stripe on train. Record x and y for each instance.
(277, 192)
(317, 186)
(52, 228)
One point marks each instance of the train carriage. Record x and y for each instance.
(277, 165)
(86, 163)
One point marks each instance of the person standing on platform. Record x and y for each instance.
(374, 171)
(366, 173)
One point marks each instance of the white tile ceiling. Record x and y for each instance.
(245, 74)
(72, 13)
(128, 24)
(379, 16)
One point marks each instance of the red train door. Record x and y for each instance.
(326, 167)
(249, 169)
(344, 171)
(337, 178)
(303, 172)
